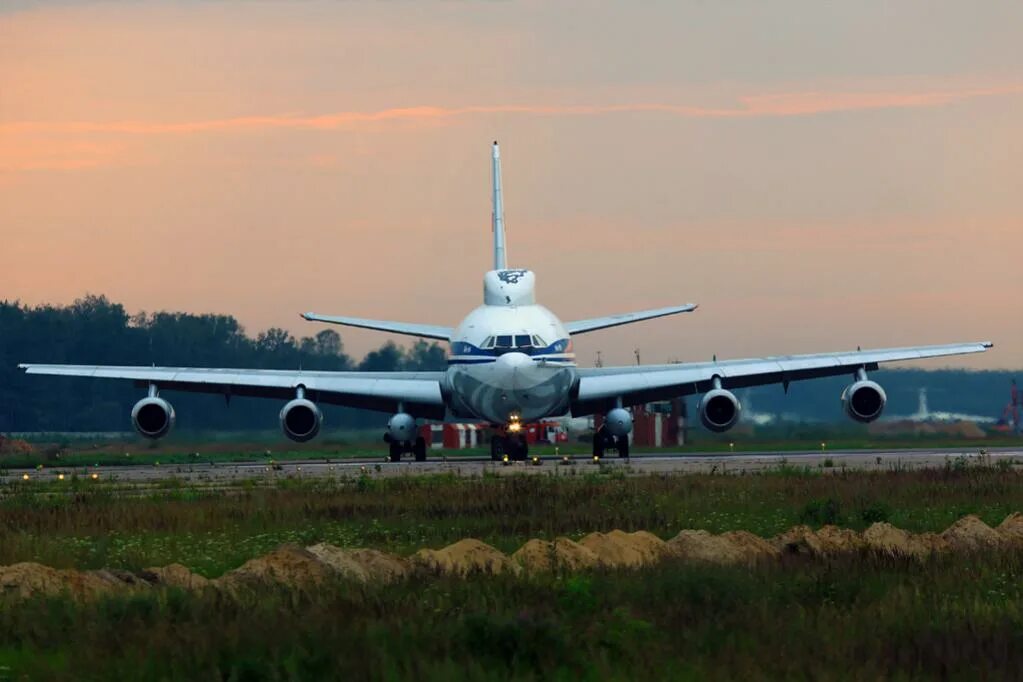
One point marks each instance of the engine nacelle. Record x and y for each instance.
(864, 400)
(719, 410)
(619, 422)
(401, 428)
(301, 419)
(153, 417)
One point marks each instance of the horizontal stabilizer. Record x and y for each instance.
(426, 331)
(593, 324)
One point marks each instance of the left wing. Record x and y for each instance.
(426, 331)
(595, 323)
(600, 388)
(418, 392)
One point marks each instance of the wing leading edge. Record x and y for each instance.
(595, 323)
(426, 331)
(599, 388)
(418, 392)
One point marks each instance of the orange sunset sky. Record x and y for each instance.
(816, 176)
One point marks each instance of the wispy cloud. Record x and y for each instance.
(753, 106)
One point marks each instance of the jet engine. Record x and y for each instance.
(153, 417)
(719, 410)
(619, 422)
(864, 400)
(301, 419)
(401, 428)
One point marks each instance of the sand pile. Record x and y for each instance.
(287, 565)
(970, 534)
(562, 554)
(306, 568)
(465, 557)
(733, 547)
(829, 541)
(886, 539)
(28, 579)
(174, 575)
(619, 549)
(1011, 529)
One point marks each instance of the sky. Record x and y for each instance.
(817, 176)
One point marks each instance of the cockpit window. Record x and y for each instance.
(538, 342)
(488, 342)
(504, 341)
(523, 341)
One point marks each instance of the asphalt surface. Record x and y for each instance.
(750, 462)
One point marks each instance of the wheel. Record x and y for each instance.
(521, 449)
(419, 449)
(396, 451)
(496, 448)
(623, 446)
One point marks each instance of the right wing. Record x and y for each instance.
(599, 389)
(426, 331)
(419, 393)
(595, 323)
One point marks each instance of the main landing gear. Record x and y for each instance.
(416, 448)
(604, 440)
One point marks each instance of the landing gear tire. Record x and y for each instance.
(419, 449)
(622, 445)
(396, 451)
(521, 450)
(496, 448)
(599, 442)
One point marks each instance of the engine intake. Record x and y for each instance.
(300, 420)
(719, 410)
(864, 400)
(619, 422)
(153, 417)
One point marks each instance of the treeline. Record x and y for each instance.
(95, 331)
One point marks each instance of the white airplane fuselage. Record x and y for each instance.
(511, 358)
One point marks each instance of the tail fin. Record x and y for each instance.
(500, 262)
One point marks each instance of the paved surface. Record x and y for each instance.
(226, 474)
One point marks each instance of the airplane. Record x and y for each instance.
(510, 363)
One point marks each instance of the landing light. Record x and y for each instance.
(514, 427)
(596, 459)
(60, 477)
(24, 477)
(536, 460)
(95, 476)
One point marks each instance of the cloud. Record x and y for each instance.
(753, 106)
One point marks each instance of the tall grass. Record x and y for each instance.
(213, 530)
(849, 619)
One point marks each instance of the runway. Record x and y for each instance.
(659, 463)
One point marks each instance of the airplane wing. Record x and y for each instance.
(599, 388)
(595, 323)
(419, 392)
(426, 331)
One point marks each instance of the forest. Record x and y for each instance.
(94, 330)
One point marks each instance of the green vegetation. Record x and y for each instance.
(847, 618)
(92, 525)
(841, 620)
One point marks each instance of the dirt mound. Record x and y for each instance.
(826, 542)
(15, 446)
(627, 550)
(287, 565)
(465, 557)
(363, 565)
(28, 579)
(734, 547)
(970, 534)
(174, 575)
(884, 538)
(1011, 529)
(561, 554)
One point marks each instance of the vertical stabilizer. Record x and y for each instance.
(500, 262)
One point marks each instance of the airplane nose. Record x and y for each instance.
(513, 361)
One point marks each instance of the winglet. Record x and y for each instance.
(500, 260)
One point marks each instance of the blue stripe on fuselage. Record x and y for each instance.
(465, 348)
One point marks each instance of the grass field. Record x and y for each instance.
(855, 618)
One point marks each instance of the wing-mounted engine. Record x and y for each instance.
(301, 418)
(863, 400)
(719, 409)
(153, 417)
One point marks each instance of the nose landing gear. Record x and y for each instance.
(507, 441)
(416, 448)
(604, 440)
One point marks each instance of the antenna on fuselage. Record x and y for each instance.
(500, 262)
